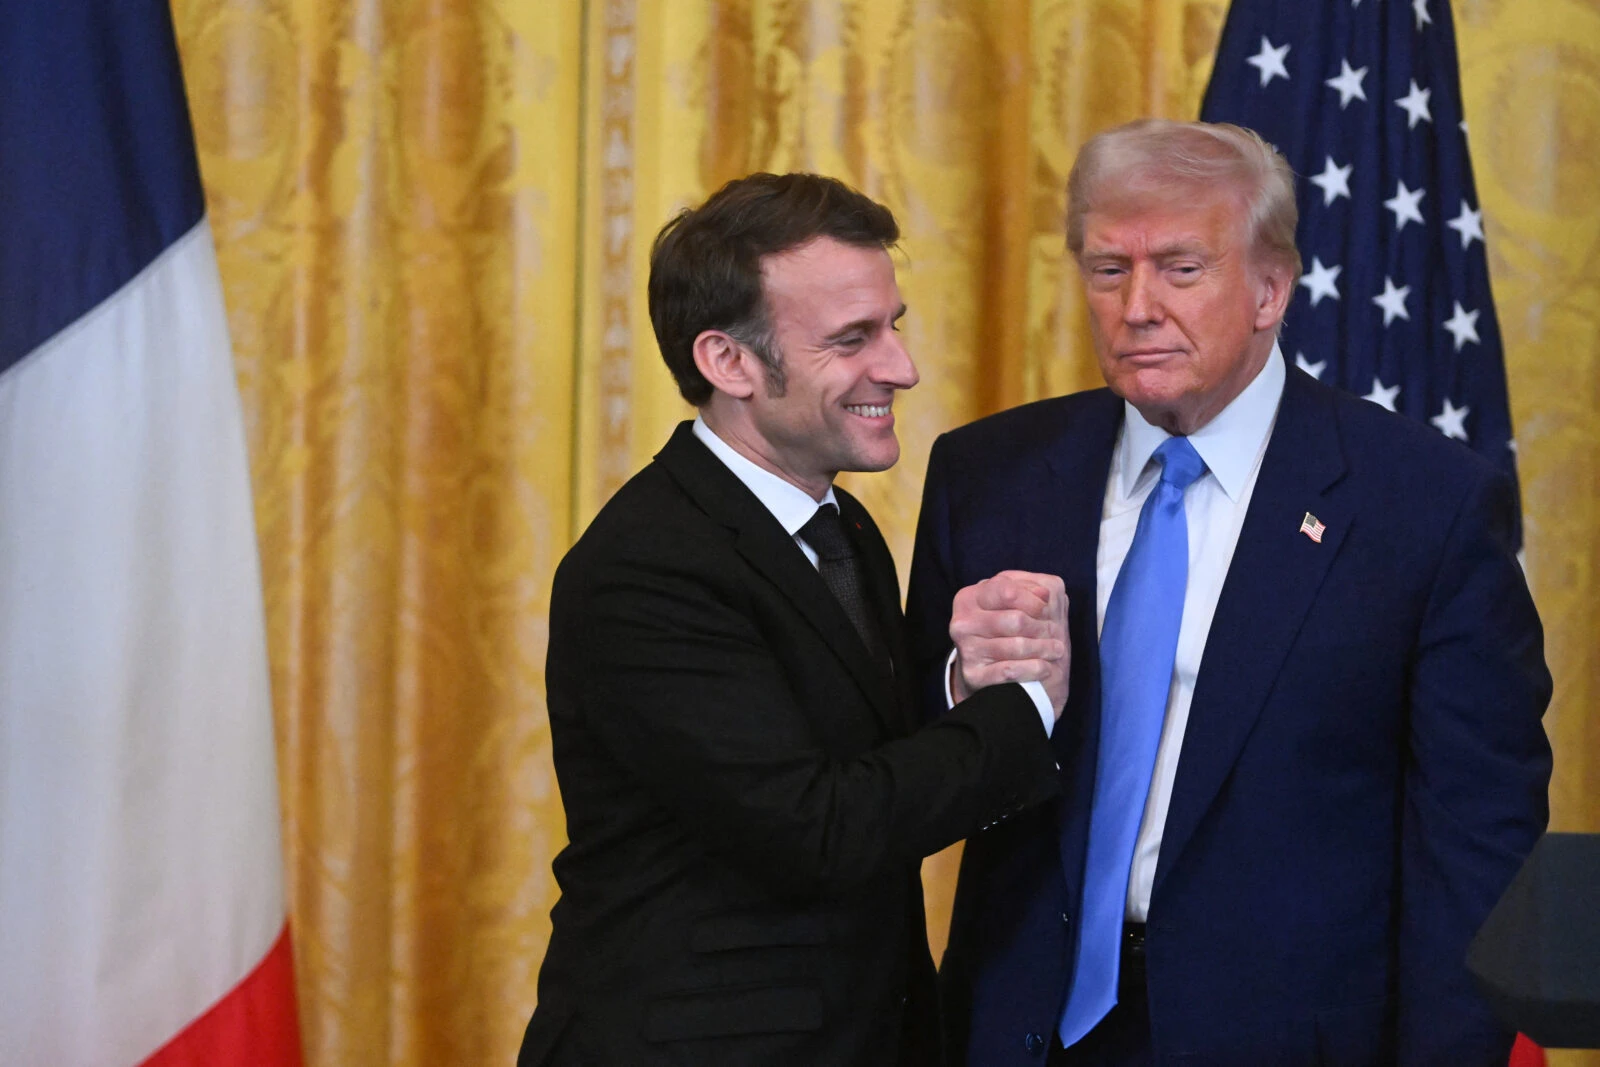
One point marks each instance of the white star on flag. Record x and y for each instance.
(1393, 301)
(1469, 224)
(1420, 9)
(1269, 61)
(1334, 181)
(1320, 281)
(1452, 420)
(1404, 205)
(1383, 395)
(1463, 325)
(1415, 104)
(1348, 83)
(1313, 369)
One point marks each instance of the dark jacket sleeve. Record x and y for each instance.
(1476, 780)
(932, 589)
(685, 692)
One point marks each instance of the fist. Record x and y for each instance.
(1011, 628)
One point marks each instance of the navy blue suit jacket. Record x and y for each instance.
(1364, 767)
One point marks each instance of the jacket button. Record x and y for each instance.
(1066, 919)
(1034, 1043)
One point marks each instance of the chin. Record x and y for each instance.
(870, 461)
(1154, 390)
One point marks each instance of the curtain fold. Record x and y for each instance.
(433, 221)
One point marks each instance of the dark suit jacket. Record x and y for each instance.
(1363, 770)
(747, 803)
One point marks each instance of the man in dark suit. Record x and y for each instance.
(1302, 755)
(730, 701)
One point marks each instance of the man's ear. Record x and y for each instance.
(726, 364)
(1275, 285)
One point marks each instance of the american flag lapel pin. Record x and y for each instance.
(1313, 527)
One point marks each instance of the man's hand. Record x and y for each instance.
(1011, 628)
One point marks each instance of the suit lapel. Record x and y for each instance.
(1272, 581)
(1079, 465)
(771, 551)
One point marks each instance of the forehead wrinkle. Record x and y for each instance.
(866, 321)
(1182, 246)
(1131, 236)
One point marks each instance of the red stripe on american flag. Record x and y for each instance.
(256, 1024)
(1526, 1054)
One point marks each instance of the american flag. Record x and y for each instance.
(1313, 527)
(1363, 98)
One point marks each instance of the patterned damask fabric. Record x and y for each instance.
(433, 222)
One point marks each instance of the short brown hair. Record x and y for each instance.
(705, 265)
(1149, 156)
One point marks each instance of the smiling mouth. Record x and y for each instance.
(868, 411)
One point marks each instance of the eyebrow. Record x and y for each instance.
(860, 324)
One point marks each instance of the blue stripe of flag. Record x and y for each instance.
(97, 163)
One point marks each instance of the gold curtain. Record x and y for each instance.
(433, 220)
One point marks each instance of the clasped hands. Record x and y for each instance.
(1011, 628)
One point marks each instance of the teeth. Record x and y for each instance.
(869, 410)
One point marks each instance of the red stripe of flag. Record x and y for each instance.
(256, 1024)
(1526, 1054)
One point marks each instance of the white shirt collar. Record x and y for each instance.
(1229, 444)
(791, 505)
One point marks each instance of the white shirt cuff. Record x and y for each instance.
(1041, 700)
(1035, 691)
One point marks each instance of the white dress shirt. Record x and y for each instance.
(1231, 445)
(791, 505)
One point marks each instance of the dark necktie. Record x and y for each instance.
(842, 572)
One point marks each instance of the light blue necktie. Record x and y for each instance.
(1137, 646)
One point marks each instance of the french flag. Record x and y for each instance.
(142, 915)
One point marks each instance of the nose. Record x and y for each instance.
(1142, 304)
(894, 367)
